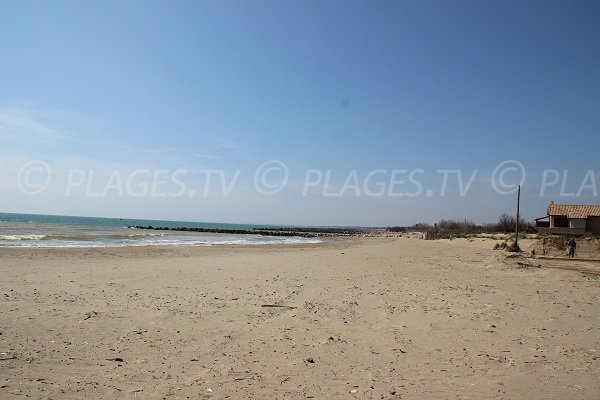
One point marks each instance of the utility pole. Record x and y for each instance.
(517, 225)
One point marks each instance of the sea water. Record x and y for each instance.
(33, 230)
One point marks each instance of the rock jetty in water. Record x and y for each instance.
(302, 232)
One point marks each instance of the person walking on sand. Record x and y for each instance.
(571, 245)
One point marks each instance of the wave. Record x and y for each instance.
(55, 237)
(161, 242)
(101, 236)
(80, 237)
(21, 237)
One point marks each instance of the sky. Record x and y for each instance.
(298, 112)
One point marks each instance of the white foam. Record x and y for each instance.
(37, 241)
(22, 237)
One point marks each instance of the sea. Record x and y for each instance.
(59, 231)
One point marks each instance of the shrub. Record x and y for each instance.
(513, 247)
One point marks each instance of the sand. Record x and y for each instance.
(357, 318)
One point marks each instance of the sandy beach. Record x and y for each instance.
(364, 318)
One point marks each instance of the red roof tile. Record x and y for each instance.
(574, 210)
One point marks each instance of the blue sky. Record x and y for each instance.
(340, 87)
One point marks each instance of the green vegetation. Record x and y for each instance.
(450, 229)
